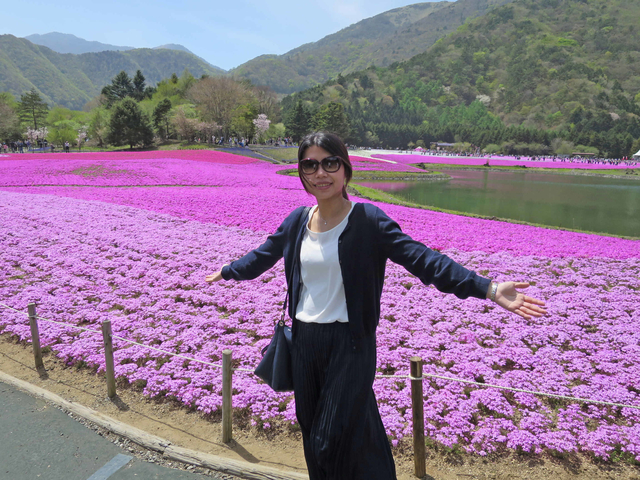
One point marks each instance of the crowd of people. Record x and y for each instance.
(16, 147)
(243, 142)
(24, 146)
(624, 161)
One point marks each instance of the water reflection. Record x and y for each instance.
(596, 204)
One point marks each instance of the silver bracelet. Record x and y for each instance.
(494, 290)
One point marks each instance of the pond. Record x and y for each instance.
(591, 203)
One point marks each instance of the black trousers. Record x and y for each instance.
(343, 435)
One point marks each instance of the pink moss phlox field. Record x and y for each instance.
(138, 257)
(191, 168)
(100, 157)
(499, 162)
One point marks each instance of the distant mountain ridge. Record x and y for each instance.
(68, 43)
(72, 80)
(392, 36)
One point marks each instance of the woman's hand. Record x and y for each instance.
(216, 277)
(509, 298)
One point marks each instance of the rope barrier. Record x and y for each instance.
(512, 389)
(69, 325)
(119, 338)
(167, 353)
(11, 308)
(428, 375)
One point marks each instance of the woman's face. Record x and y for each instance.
(321, 184)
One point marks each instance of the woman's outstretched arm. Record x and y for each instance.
(261, 259)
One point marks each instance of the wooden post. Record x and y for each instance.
(226, 396)
(35, 336)
(417, 405)
(108, 357)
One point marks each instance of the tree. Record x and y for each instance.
(120, 88)
(129, 125)
(185, 126)
(63, 132)
(32, 109)
(139, 91)
(99, 125)
(562, 147)
(299, 123)
(207, 130)
(242, 120)
(331, 117)
(82, 135)
(267, 101)
(276, 130)
(31, 135)
(217, 98)
(9, 120)
(185, 82)
(161, 117)
(262, 125)
(95, 102)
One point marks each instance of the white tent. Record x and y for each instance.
(636, 155)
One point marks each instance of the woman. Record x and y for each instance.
(335, 256)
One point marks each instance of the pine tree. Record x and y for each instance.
(299, 123)
(120, 88)
(32, 109)
(129, 125)
(139, 88)
(331, 117)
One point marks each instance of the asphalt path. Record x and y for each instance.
(39, 441)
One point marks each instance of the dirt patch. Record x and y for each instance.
(280, 448)
(97, 171)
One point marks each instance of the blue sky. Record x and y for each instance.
(225, 33)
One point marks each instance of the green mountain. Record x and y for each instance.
(72, 80)
(569, 66)
(381, 40)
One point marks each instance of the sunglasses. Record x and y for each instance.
(329, 165)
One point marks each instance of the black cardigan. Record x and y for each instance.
(368, 240)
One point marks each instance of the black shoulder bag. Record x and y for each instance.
(275, 366)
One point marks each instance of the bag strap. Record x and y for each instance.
(305, 213)
(284, 309)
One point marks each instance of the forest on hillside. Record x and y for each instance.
(516, 79)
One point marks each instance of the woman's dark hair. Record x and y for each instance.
(333, 145)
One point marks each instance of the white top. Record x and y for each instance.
(322, 298)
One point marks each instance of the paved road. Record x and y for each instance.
(38, 441)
